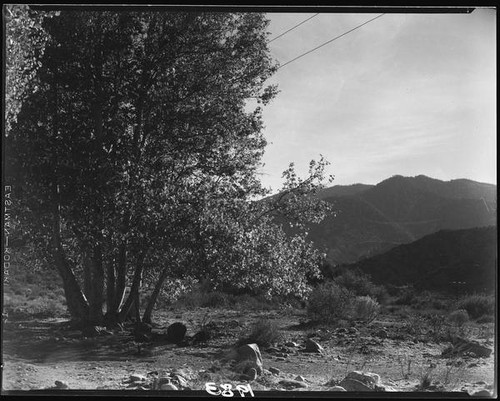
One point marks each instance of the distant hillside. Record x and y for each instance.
(343, 190)
(399, 210)
(447, 260)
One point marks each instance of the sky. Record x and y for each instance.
(405, 94)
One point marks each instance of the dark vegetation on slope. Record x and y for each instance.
(449, 261)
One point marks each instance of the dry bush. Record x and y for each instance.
(264, 333)
(360, 284)
(329, 303)
(365, 309)
(478, 305)
(458, 317)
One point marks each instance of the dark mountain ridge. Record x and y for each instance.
(449, 260)
(373, 219)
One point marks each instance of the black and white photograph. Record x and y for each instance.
(254, 201)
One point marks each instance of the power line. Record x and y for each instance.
(331, 40)
(292, 28)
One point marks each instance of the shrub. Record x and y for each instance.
(365, 309)
(436, 322)
(17, 307)
(406, 298)
(478, 305)
(215, 299)
(252, 302)
(196, 299)
(329, 303)
(458, 317)
(264, 333)
(414, 323)
(486, 319)
(360, 284)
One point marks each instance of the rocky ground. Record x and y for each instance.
(386, 355)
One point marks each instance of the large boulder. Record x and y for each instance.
(461, 346)
(361, 381)
(313, 346)
(248, 356)
(176, 332)
(354, 385)
(368, 378)
(61, 385)
(290, 384)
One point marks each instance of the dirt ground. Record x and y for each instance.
(37, 354)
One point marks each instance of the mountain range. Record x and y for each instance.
(371, 219)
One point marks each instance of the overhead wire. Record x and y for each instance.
(331, 40)
(292, 28)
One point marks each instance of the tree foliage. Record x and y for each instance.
(136, 158)
(24, 45)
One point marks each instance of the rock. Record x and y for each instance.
(280, 359)
(292, 384)
(337, 388)
(159, 382)
(186, 373)
(274, 371)
(383, 387)
(61, 385)
(382, 333)
(201, 337)
(473, 365)
(480, 383)
(342, 330)
(482, 393)
(353, 330)
(354, 385)
(272, 350)
(251, 374)
(313, 346)
(137, 377)
(180, 380)
(461, 345)
(168, 386)
(176, 332)
(362, 381)
(300, 378)
(291, 344)
(367, 378)
(250, 353)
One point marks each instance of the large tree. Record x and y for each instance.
(137, 142)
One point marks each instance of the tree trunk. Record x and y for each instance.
(110, 287)
(134, 290)
(77, 303)
(121, 277)
(87, 272)
(154, 296)
(97, 291)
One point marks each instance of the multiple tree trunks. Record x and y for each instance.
(135, 152)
